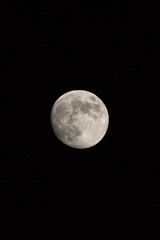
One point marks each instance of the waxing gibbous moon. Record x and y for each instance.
(79, 119)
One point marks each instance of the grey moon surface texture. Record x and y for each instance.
(79, 119)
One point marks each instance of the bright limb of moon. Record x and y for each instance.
(79, 119)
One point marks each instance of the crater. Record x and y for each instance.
(94, 116)
(69, 139)
(97, 108)
(85, 107)
(76, 131)
(70, 132)
(92, 98)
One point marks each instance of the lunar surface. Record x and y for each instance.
(79, 119)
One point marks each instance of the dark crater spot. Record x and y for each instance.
(76, 131)
(76, 104)
(94, 116)
(73, 133)
(97, 108)
(70, 139)
(72, 115)
(70, 132)
(84, 107)
(93, 98)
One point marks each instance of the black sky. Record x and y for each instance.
(53, 47)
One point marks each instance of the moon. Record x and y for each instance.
(79, 119)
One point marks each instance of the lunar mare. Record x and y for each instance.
(79, 119)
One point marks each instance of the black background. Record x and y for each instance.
(108, 48)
